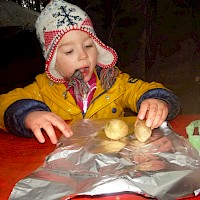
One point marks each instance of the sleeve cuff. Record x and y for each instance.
(16, 112)
(165, 95)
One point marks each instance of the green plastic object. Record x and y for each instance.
(194, 139)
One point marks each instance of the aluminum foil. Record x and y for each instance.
(88, 163)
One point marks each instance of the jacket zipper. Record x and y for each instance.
(83, 113)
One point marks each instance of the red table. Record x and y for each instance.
(20, 156)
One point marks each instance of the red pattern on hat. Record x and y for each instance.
(48, 37)
(87, 22)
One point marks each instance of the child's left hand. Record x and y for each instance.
(154, 111)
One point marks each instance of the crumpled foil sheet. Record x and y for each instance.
(88, 163)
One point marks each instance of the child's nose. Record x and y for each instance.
(83, 54)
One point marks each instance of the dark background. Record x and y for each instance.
(155, 40)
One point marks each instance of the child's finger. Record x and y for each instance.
(153, 109)
(143, 110)
(157, 119)
(50, 132)
(38, 134)
(63, 127)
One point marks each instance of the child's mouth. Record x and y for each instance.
(85, 71)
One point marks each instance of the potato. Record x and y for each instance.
(142, 132)
(116, 129)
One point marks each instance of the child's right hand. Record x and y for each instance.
(38, 120)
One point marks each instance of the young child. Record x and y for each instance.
(80, 81)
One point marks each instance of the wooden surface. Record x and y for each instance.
(20, 156)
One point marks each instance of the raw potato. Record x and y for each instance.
(142, 132)
(116, 129)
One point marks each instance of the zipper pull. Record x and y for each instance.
(85, 103)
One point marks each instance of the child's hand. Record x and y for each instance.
(38, 120)
(155, 112)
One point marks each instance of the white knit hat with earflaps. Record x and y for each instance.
(57, 19)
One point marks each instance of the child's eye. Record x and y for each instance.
(89, 45)
(68, 52)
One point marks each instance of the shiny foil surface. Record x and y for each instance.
(164, 167)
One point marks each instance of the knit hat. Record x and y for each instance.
(57, 19)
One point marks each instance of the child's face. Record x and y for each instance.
(76, 50)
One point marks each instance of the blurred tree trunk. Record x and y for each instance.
(19, 2)
(37, 5)
(30, 4)
(150, 14)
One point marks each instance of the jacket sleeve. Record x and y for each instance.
(165, 95)
(137, 90)
(16, 112)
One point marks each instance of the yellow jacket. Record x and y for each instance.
(125, 93)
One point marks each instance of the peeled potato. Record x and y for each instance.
(142, 132)
(116, 129)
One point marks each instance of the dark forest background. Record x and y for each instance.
(156, 40)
